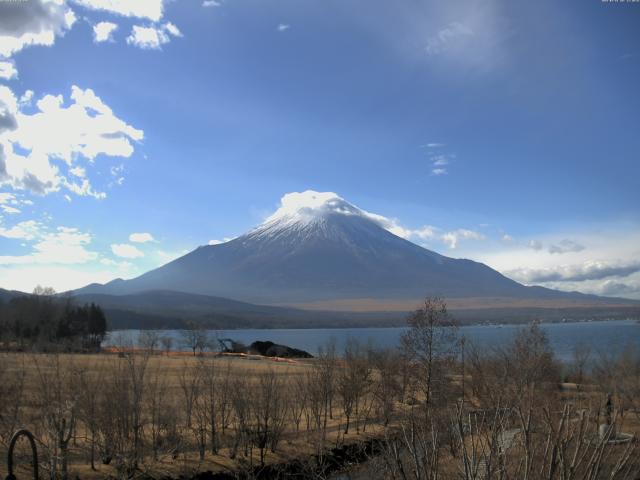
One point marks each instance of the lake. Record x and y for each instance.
(601, 336)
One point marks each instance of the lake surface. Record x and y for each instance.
(601, 336)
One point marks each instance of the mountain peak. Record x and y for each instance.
(310, 205)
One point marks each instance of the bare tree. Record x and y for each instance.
(321, 388)
(580, 359)
(149, 340)
(240, 400)
(430, 344)
(58, 406)
(157, 403)
(189, 380)
(195, 337)
(88, 382)
(167, 343)
(297, 399)
(353, 380)
(268, 412)
(387, 385)
(136, 370)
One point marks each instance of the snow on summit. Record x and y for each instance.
(310, 205)
(305, 207)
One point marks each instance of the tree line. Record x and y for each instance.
(45, 321)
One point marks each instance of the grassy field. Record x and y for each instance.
(145, 414)
(176, 372)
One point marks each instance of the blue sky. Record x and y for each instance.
(506, 132)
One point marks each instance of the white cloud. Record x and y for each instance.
(26, 230)
(103, 31)
(116, 263)
(506, 238)
(6, 197)
(33, 22)
(566, 246)
(172, 29)
(141, 237)
(25, 99)
(7, 70)
(149, 9)
(152, 37)
(125, 250)
(616, 288)
(83, 189)
(453, 238)
(218, 242)
(612, 255)
(10, 210)
(283, 27)
(446, 37)
(8, 110)
(9, 203)
(85, 128)
(535, 245)
(440, 161)
(211, 3)
(63, 246)
(590, 270)
(78, 172)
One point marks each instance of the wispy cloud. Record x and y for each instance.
(447, 36)
(283, 27)
(566, 246)
(506, 238)
(535, 245)
(591, 270)
(439, 161)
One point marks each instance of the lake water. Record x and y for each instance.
(601, 336)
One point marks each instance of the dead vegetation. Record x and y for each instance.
(435, 408)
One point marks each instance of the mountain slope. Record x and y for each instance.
(324, 249)
(8, 295)
(169, 309)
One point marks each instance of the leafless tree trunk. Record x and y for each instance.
(88, 383)
(431, 344)
(58, 404)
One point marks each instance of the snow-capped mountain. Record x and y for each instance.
(317, 247)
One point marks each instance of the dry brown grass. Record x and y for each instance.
(294, 444)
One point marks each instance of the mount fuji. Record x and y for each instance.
(318, 251)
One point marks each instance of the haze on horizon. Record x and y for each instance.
(504, 132)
